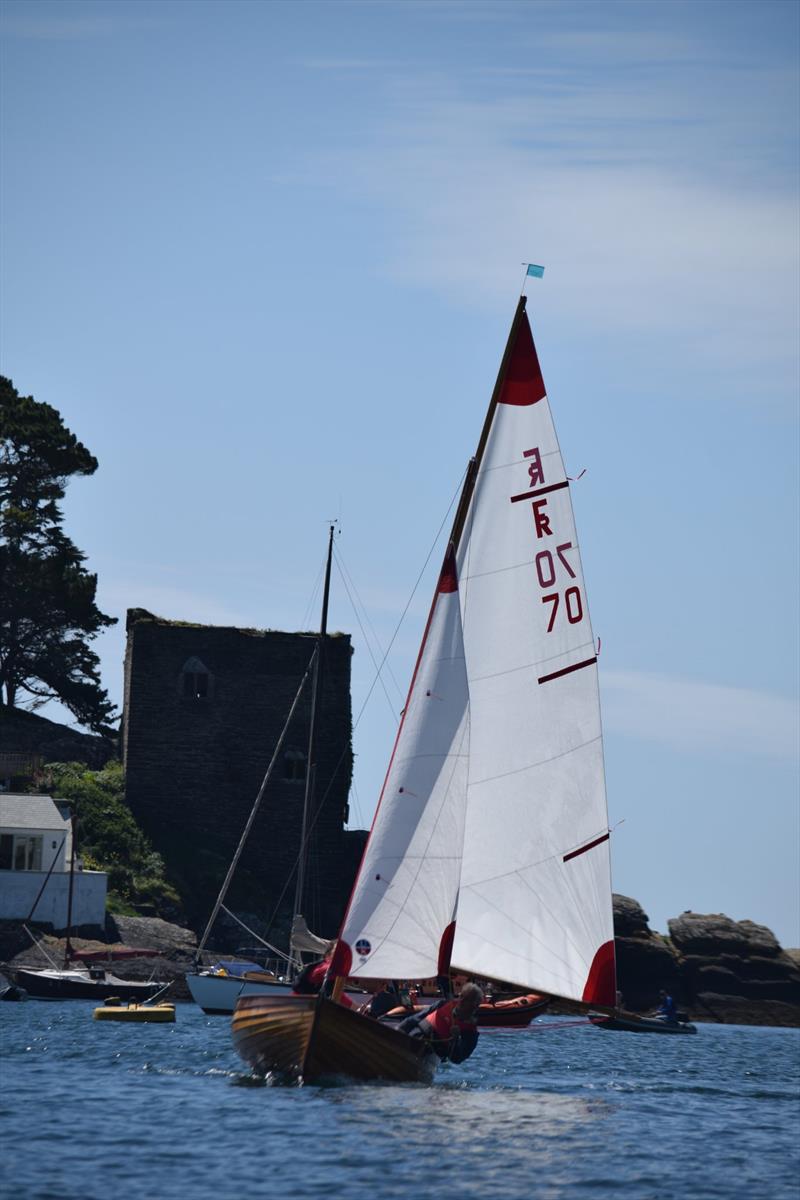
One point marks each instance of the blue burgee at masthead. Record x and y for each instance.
(537, 272)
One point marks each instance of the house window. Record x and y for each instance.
(294, 766)
(19, 853)
(196, 682)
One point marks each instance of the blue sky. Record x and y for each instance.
(263, 258)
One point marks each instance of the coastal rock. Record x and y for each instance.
(630, 919)
(645, 962)
(735, 971)
(697, 933)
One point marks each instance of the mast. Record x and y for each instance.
(246, 832)
(308, 798)
(68, 946)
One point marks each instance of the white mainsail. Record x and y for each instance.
(534, 905)
(399, 922)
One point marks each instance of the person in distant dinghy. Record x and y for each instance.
(667, 1010)
(450, 1026)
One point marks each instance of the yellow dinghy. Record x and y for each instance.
(115, 1010)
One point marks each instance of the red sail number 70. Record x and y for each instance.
(546, 571)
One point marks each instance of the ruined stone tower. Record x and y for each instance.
(204, 708)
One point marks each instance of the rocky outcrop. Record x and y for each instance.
(646, 962)
(735, 971)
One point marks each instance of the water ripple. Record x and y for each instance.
(554, 1115)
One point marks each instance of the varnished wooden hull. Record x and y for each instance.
(308, 1037)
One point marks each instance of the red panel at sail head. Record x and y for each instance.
(601, 986)
(448, 580)
(523, 383)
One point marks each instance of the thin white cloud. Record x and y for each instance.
(690, 715)
(660, 211)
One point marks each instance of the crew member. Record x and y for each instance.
(450, 1026)
(310, 980)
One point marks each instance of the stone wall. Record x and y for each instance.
(204, 707)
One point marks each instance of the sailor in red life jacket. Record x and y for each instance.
(310, 980)
(451, 1026)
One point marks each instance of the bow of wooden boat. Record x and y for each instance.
(310, 1037)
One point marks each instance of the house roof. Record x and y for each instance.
(31, 812)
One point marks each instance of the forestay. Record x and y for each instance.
(534, 905)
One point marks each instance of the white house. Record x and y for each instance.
(36, 839)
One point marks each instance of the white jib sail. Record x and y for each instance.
(405, 894)
(534, 903)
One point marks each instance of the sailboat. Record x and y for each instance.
(217, 988)
(489, 851)
(82, 975)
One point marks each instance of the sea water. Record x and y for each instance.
(107, 1111)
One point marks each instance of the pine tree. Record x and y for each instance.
(48, 614)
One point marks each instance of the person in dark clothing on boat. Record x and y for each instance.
(450, 1026)
(385, 999)
(666, 1010)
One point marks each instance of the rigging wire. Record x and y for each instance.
(348, 578)
(359, 813)
(366, 639)
(313, 600)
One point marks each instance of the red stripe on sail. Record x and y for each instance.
(589, 846)
(587, 662)
(448, 580)
(601, 985)
(523, 383)
(553, 487)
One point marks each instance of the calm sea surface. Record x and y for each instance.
(106, 1111)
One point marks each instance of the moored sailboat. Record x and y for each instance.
(489, 850)
(217, 987)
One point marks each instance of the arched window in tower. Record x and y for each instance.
(294, 766)
(196, 681)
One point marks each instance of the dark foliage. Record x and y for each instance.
(48, 614)
(108, 838)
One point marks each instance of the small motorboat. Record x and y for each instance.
(115, 1010)
(514, 1012)
(633, 1023)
